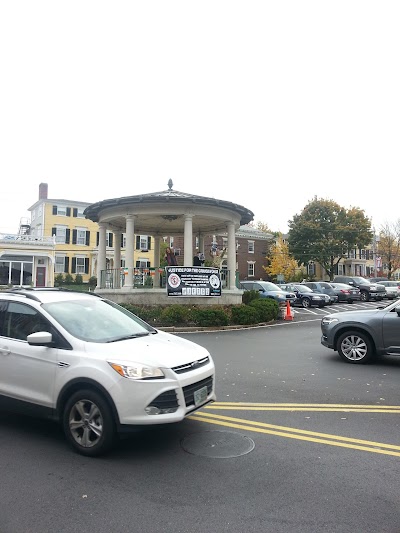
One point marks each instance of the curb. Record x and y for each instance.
(194, 329)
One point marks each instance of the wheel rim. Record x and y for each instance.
(363, 296)
(86, 423)
(354, 348)
(306, 302)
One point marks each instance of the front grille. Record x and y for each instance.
(181, 369)
(188, 391)
(166, 400)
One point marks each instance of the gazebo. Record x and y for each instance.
(159, 214)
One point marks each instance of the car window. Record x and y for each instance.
(303, 288)
(325, 285)
(268, 286)
(97, 320)
(21, 320)
(361, 281)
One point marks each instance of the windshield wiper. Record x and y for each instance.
(131, 336)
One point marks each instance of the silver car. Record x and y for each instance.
(392, 288)
(361, 336)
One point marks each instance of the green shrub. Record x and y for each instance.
(175, 314)
(267, 309)
(249, 296)
(58, 280)
(92, 282)
(78, 279)
(68, 280)
(148, 282)
(244, 314)
(214, 316)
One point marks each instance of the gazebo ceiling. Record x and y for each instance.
(164, 212)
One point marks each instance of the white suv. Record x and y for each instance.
(95, 367)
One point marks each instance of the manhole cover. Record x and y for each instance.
(217, 444)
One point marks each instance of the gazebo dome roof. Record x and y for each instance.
(164, 210)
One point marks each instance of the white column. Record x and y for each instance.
(188, 241)
(156, 279)
(201, 243)
(232, 256)
(117, 259)
(101, 254)
(130, 241)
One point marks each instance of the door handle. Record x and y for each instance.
(5, 351)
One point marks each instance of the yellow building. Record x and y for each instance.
(76, 237)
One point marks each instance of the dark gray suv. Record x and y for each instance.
(369, 291)
(361, 336)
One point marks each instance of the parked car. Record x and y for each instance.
(95, 367)
(360, 336)
(323, 287)
(346, 293)
(369, 291)
(374, 280)
(305, 296)
(392, 288)
(268, 289)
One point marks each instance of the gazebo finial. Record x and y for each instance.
(170, 184)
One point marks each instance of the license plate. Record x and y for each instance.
(200, 396)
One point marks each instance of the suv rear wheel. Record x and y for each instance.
(88, 423)
(355, 347)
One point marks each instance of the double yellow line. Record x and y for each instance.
(299, 434)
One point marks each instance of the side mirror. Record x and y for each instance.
(40, 338)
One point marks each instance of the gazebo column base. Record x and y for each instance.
(159, 297)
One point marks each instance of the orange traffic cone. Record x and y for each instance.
(288, 313)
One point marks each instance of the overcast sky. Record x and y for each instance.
(262, 103)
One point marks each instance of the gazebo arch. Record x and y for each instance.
(159, 214)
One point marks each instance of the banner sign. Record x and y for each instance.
(193, 281)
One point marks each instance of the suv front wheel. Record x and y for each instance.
(88, 423)
(364, 296)
(355, 347)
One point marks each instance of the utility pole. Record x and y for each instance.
(374, 252)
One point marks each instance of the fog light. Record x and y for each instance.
(152, 410)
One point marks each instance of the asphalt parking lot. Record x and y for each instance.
(297, 441)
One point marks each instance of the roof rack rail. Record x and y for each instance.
(29, 291)
(20, 291)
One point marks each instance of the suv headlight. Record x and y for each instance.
(137, 371)
(327, 320)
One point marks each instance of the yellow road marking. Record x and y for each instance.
(240, 406)
(299, 434)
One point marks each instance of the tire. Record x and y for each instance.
(355, 347)
(88, 423)
(364, 296)
(306, 303)
(350, 302)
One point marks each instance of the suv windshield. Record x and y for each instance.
(362, 281)
(97, 320)
(268, 286)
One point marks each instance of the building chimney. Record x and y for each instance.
(43, 187)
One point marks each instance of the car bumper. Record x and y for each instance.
(325, 342)
(163, 401)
